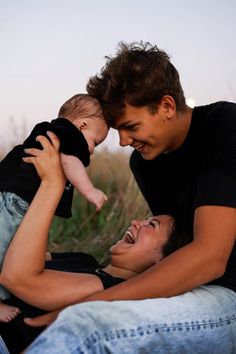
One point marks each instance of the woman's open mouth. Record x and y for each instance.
(129, 237)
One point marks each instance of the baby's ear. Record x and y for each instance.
(80, 123)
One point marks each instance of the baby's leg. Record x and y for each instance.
(7, 312)
(12, 210)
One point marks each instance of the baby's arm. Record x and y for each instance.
(77, 175)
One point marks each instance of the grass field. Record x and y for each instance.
(93, 232)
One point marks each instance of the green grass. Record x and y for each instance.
(93, 232)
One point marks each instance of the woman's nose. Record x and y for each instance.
(136, 223)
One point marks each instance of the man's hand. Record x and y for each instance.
(43, 320)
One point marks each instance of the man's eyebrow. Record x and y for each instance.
(123, 125)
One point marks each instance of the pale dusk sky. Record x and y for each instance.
(50, 48)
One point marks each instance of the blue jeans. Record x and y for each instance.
(12, 210)
(3, 348)
(200, 321)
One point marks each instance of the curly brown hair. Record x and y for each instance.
(140, 74)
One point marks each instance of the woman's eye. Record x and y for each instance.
(152, 224)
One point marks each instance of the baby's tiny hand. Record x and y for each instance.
(97, 197)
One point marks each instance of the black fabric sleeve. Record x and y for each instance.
(72, 141)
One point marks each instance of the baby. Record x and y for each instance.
(80, 126)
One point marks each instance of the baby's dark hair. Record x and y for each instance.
(81, 106)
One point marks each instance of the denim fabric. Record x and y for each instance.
(12, 210)
(3, 348)
(200, 321)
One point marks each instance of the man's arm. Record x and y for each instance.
(77, 175)
(198, 263)
(42, 320)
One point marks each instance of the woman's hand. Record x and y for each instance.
(46, 161)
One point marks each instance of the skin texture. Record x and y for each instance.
(153, 133)
(8, 313)
(94, 131)
(150, 236)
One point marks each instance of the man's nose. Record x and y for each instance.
(124, 139)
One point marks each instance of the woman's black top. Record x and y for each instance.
(18, 335)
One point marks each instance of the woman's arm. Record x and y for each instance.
(23, 270)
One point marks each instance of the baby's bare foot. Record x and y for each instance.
(8, 313)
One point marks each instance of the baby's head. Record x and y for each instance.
(85, 113)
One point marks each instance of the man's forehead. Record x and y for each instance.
(130, 115)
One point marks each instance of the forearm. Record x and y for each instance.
(26, 254)
(76, 174)
(178, 273)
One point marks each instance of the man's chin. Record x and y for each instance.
(148, 156)
(151, 154)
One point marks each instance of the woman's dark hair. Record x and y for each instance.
(140, 74)
(180, 236)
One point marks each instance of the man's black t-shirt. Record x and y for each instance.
(201, 172)
(21, 178)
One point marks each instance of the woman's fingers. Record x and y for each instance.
(33, 151)
(54, 140)
(47, 144)
(46, 160)
(53, 143)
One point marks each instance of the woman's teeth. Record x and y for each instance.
(129, 237)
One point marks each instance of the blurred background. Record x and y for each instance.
(50, 48)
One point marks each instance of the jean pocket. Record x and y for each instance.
(18, 206)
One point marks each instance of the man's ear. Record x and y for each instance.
(169, 106)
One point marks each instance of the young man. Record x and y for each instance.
(185, 164)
